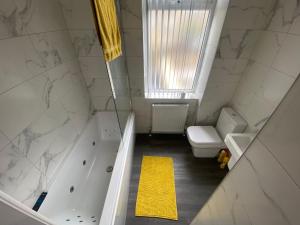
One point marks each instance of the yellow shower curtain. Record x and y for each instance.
(108, 28)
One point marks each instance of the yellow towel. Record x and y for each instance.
(156, 194)
(108, 28)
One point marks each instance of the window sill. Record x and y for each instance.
(178, 96)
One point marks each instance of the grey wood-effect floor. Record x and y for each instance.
(195, 179)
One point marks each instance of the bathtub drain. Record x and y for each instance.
(72, 189)
(109, 169)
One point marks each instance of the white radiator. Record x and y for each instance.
(169, 118)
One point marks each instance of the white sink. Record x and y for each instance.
(237, 144)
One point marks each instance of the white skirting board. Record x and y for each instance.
(169, 118)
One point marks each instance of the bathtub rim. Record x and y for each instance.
(109, 211)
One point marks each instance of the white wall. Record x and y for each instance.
(44, 104)
(243, 25)
(80, 22)
(273, 67)
(81, 25)
(131, 11)
(263, 187)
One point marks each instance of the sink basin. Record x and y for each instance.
(237, 143)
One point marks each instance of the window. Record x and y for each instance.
(175, 34)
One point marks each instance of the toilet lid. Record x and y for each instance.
(204, 136)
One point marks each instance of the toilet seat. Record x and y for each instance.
(204, 137)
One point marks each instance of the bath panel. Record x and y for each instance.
(115, 207)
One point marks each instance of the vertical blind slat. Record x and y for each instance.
(176, 43)
(203, 32)
(184, 77)
(167, 45)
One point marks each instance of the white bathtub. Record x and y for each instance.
(84, 192)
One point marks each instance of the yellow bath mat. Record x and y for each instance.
(156, 194)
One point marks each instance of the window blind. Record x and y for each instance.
(175, 40)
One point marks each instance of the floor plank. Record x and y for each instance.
(195, 179)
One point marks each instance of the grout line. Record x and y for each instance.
(81, 29)
(9, 141)
(267, 148)
(271, 67)
(37, 75)
(93, 56)
(30, 34)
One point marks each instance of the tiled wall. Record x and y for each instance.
(131, 11)
(272, 68)
(80, 23)
(44, 101)
(264, 186)
(244, 23)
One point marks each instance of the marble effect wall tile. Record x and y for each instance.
(19, 63)
(86, 43)
(45, 103)
(280, 135)
(210, 107)
(131, 14)
(242, 31)
(272, 69)
(54, 48)
(224, 78)
(237, 43)
(19, 177)
(3, 140)
(282, 198)
(267, 47)
(103, 103)
(285, 60)
(36, 138)
(78, 14)
(137, 86)
(29, 16)
(263, 186)
(259, 92)
(21, 105)
(10, 12)
(255, 14)
(80, 24)
(46, 16)
(103, 83)
(285, 13)
(93, 67)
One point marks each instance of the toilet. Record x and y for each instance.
(206, 141)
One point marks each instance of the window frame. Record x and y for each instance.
(183, 93)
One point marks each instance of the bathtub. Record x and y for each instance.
(92, 186)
